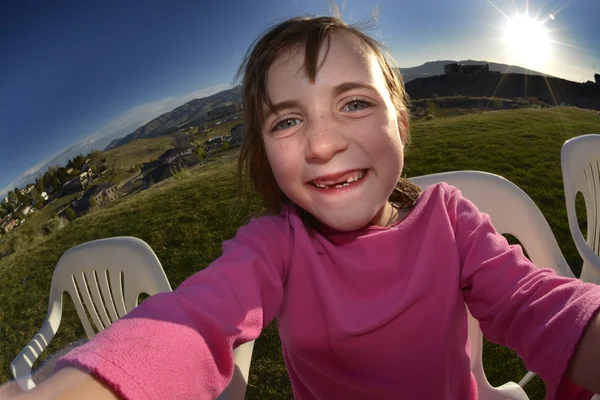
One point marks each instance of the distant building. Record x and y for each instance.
(457, 69)
(236, 135)
(76, 184)
(8, 225)
(171, 155)
(26, 210)
(225, 111)
(183, 127)
(100, 195)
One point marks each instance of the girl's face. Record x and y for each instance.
(334, 145)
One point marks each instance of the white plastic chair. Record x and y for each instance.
(104, 277)
(513, 212)
(580, 161)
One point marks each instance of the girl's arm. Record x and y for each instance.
(541, 316)
(180, 344)
(584, 368)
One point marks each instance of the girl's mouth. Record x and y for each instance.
(341, 182)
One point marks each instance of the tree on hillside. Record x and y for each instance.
(62, 176)
(70, 214)
(10, 208)
(39, 184)
(23, 199)
(37, 198)
(12, 197)
(96, 158)
(77, 162)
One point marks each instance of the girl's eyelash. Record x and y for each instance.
(358, 100)
(278, 124)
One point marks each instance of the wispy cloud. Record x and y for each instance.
(141, 114)
(148, 111)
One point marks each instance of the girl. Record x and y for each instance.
(365, 274)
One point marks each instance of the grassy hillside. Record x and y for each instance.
(139, 151)
(185, 220)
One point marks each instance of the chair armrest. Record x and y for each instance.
(239, 382)
(20, 367)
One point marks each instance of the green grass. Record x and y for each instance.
(185, 221)
(139, 151)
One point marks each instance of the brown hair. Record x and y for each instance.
(310, 34)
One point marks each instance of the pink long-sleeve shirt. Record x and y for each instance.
(377, 313)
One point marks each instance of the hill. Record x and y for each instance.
(191, 111)
(554, 91)
(196, 109)
(186, 220)
(139, 151)
(433, 68)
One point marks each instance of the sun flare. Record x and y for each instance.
(527, 41)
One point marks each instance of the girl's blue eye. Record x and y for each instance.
(355, 105)
(286, 123)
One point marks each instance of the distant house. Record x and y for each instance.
(44, 196)
(225, 111)
(8, 225)
(236, 135)
(457, 69)
(26, 210)
(171, 155)
(76, 184)
(183, 127)
(98, 195)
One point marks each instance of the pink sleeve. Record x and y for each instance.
(180, 344)
(538, 314)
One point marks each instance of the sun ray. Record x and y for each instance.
(573, 46)
(498, 9)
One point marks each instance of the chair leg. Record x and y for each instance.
(526, 379)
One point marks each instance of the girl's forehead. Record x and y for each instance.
(340, 51)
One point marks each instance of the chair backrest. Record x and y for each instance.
(580, 161)
(513, 212)
(105, 278)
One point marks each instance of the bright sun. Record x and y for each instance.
(527, 41)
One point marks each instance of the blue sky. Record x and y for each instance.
(75, 71)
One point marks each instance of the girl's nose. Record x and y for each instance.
(324, 140)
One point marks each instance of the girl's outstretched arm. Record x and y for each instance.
(543, 317)
(180, 344)
(584, 368)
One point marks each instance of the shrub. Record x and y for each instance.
(200, 153)
(54, 224)
(70, 214)
(429, 117)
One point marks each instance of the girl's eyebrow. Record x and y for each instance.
(347, 86)
(282, 105)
